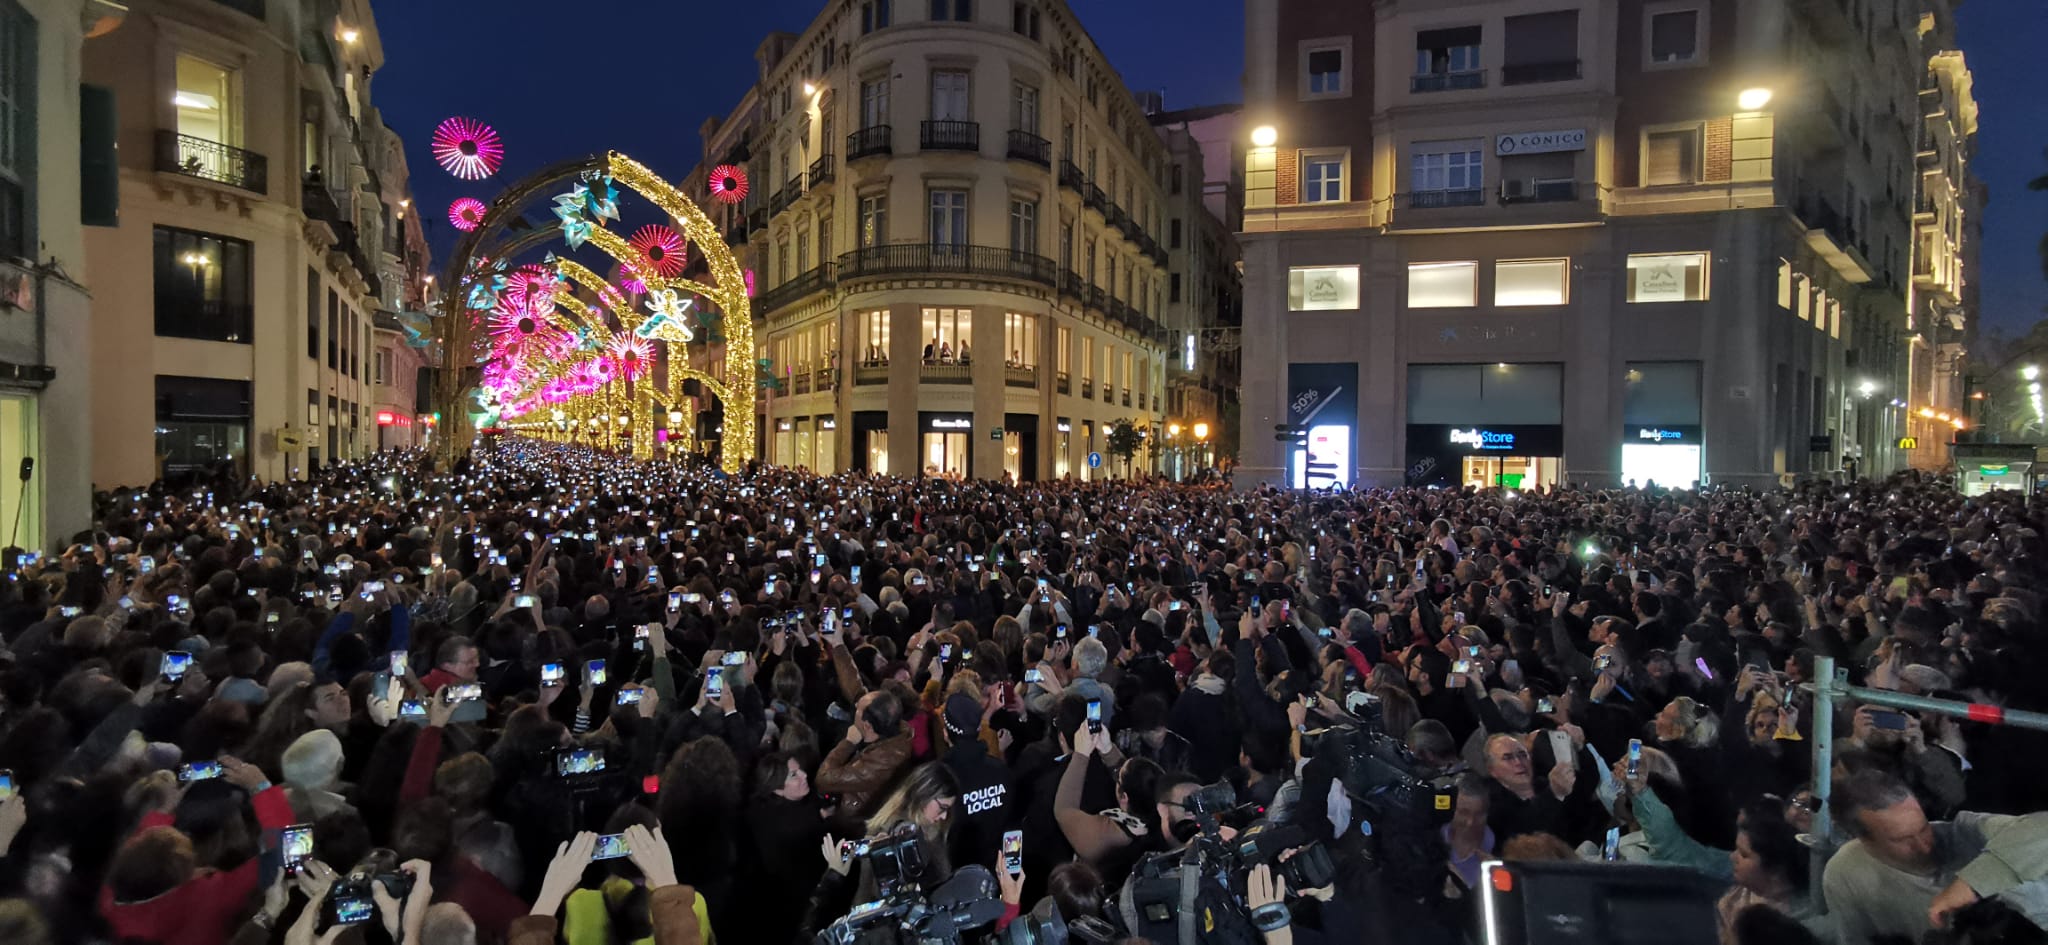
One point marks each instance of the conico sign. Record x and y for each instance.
(1541, 142)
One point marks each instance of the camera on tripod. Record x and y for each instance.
(901, 912)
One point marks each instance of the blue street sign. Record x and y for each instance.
(1094, 460)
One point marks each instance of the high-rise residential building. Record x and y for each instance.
(53, 183)
(259, 236)
(1522, 243)
(1204, 309)
(1946, 216)
(954, 226)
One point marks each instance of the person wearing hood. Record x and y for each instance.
(312, 775)
(985, 808)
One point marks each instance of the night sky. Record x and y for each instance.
(532, 69)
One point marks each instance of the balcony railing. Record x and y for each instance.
(800, 382)
(1087, 388)
(867, 142)
(943, 373)
(1433, 199)
(757, 220)
(1096, 297)
(1127, 396)
(1539, 191)
(1071, 176)
(871, 372)
(916, 258)
(823, 379)
(804, 284)
(1063, 382)
(737, 234)
(1025, 146)
(1094, 197)
(212, 160)
(1071, 284)
(781, 199)
(949, 136)
(1563, 70)
(1447, 81)
(1019, 376)
(1115, 216)
(821, 170)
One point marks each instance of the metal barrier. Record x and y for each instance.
(1832, 685)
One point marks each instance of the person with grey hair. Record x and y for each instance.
(1884, 881)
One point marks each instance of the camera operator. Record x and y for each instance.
(924, 803)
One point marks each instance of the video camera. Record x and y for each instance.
(903, 914)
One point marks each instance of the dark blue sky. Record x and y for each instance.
(562, 79)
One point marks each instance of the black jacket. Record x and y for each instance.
(986, 805)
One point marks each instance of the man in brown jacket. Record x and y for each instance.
(877, 748)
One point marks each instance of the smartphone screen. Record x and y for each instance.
(571, 761)
(1013, 851)
(296, 842)
(551, 674)
(630, 696)
(1095, 715)
(199, 771)
(464, 693)
(714, 682)
(412, 709)
(595, 669)
(7, 784)
(675, 601)
(610, 846)
(175, 663)
(400, 663)
(1611, 851)
(1635, 757)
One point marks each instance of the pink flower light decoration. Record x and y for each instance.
(467, 213)
(468, 148)
(728, 183)
(630, 355)
(662, 249)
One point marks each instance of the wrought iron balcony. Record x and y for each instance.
(1025, 146)
(1071, 176)
(961, 259)
(1447, 81)
(1562, 70)
(1434, 199)
(1093, 196)
(1539, 191)
(822, 170)
(1115, 216)
(1087, 388)
(949, 136)
(1071, 284)
(212, 160)
(1096, 297)
(805, 284)
(867, 142)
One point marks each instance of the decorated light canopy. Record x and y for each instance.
(468, 148)
(467, 213)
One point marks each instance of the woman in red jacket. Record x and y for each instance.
(157, 891)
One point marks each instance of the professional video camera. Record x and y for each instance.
(902, 914)
(1045, 926)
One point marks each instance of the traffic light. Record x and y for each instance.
(1291, 433)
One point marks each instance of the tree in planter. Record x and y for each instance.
(1124, 440)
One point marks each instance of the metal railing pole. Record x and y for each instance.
(1823, 767)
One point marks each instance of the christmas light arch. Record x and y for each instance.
(560, 351)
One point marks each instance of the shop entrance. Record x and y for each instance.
(1510, 472)
(945, 454)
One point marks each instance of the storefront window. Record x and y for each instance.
(1531, 282)
(1326, 288)
(1673, 277)
(1062, 456)
(1087, 446)
(1013, 455)
(878, 452)
(1443, 285)
(945, 454)
(828, 448)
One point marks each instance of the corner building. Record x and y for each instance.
(1525, 243)
(954, 226)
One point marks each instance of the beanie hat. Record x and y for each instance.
(313, 762)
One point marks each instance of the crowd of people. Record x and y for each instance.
(549, 694)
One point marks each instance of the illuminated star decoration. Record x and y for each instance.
(728, 183)
(604, 200)
(468, 148)
(667, 322)
(467, 213)
(569, 207)
(661, 248)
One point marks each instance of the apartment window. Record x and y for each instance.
(382, 366)
(1322, 288)
(1443, 285)
(1674, 35)
(312, 313)
(1067, 247)
(949, 96)
(1024, 107)
(203, 287)
(207, 104)
(1062, 353)
(874, 15)
(1087, 360)
(957, 10)
(949, 217)
(947, 333)
(874, 103)
(1670, 277)
(803, 249)
(1173, 233)
(1445, 173)
(1785, 284)
(782, 270)
(1671, 156)
(824, 239)
(1322, 177)
(1261, 177)
(1023, 226)
(1173, 288)
(1024, 19)
(1531, 282)
(1177, 183)
(1541, 47)
(312, 407)
(1020, 340)
(1325, 69)
(874, 220)
(874, 338)
(1088, 258)
(333, 330)
(1447, 59)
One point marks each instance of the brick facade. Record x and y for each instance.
(1719, 164)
